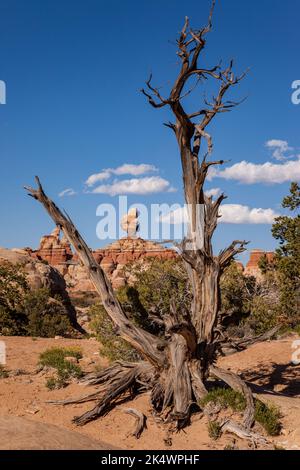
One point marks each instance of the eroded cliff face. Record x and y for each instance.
(54, 249)
(40, 274)
(113, 258)
(57, 251)
(252, 267)
(55, 266)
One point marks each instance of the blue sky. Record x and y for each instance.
(73, 70)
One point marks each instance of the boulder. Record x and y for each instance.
(38, 274)
(24, 434)
(41, 275)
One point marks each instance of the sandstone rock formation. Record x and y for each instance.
(54, 249)
(252, 267)
(18, 433)
(40, 274)
(130, 223)
(57, 251)
(112, 258)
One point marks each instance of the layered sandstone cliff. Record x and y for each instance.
(57, 251)
(252, 267)
(113, 258)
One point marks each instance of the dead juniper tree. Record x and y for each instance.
(175, 367)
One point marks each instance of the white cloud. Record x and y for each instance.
(125, 169)
(95, 178)
(239, 214)
(135, 170)
(67, 192)
(230, 214)
(214, 192)
(279, 148)
(146, 185)
(250, 173)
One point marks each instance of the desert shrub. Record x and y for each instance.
(296, 329)
(53, 383)
(155, 285)
(214, 430)
(286, 230)
(3, 372)
(248, 306)
(266, 311)
(264, 315)
(236, 294)
(112, 346)
(226, 398)
(266, 415)
(29, 313)
(84, 299)
(65, 369)
(13, 287)
(269, 417)
(53, 357)
(46, 316)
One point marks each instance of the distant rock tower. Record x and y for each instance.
(130, 223)
(55, 250)
(252, 267)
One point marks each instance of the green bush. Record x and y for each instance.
(65, 370)
(264, 314)
(53, 357)
(156, 284)
(84, 299)
(236, 293)
(286, 230)
(145, 303)
(214, 430)
(112, 346)
(3, 372)
(226, 398)
(46, 316)
(266, 415)
(269, 417)
(13, 287)
(54, 383)
(29, 313)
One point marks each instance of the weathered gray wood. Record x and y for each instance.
(141, 421)
(236, 383)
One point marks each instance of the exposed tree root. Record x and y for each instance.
(236, 383)
(243, 433)
(111, 394)
(73, 401)
(143, 370)
(114, 382)
(140, 421)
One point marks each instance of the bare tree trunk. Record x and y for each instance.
(206, 302)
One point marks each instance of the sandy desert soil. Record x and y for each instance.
(267, 367)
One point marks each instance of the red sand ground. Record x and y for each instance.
(267, 366)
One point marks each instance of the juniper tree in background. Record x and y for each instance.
(286, 230)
